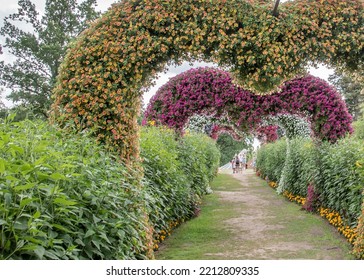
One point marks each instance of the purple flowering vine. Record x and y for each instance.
(211, 92)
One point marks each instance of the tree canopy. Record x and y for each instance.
(39, 44)
(352, 92)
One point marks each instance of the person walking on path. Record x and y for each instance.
(235, 163)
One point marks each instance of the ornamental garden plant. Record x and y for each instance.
(326, 178)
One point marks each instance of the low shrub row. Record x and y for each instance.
(62, 196)
(322, 176)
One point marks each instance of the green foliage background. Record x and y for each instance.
(229, 147)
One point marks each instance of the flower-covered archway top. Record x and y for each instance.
(212, 92)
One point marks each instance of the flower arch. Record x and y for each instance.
(291, 126)
(211, 91)
(99, 83)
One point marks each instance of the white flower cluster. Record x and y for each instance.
(205, 124)
(291, 125)
(199, 123)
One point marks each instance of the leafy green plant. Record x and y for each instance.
(271, 159)
(63, 197)
(359, 129)
(300, 166)
(341, 184)
(177, 172)
(167, 186)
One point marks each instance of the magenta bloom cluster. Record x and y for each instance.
(211, 91)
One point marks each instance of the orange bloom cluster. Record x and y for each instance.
(163, 234)
(335, 219)
(296, 198)
(359, 241)
(332, 216)
(273, 185)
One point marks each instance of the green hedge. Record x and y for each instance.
(335, 171)
(300, 167)
(359, 129)
(332, 168)
(62, 196)
(177, 174)
(270, 160)
(341, 185)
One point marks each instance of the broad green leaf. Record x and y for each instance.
(58, 176)
(60, 227)
(16, 148)
(11, 178)
(42, 176)
(80, 242)
(21, 224)
(24, 187)
(89, 233)
(64, 202)
(36, 215)
(51, 254)
(8, 199)
(39, 251)
(96, 219)
(27, 201)
(121, 234)
(2, 165)
(29, 247)
(96, 243)
(103, 236)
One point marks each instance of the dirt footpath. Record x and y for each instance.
(266, 226)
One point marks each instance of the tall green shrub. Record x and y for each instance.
(201, 158)
(271, 158)
(341, 188)
(359, 129)
(333, 169)
(63, 197)
(168, 190)
(300, 166)
(177, 173)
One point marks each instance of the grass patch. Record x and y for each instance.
(225, 182)
(203, 237)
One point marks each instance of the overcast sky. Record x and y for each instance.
(10, 6)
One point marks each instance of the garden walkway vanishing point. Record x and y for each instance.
(245, 219)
